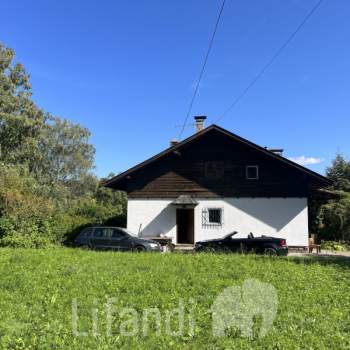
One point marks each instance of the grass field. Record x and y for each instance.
(39, 287)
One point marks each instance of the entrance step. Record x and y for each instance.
(185, 248)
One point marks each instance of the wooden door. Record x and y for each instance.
(185, 226)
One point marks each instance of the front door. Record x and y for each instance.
(185, 226)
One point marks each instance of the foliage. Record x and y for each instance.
(33, 215)
(339, 173)
(34, 239)
(66, 153)
(24, 209)
(335, 246)
(21, 120)
(47, 188)
(38, 287)
(334, 215)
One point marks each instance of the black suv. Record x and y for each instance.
(260, 245)
(114, 238)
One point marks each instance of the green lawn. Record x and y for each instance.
(38, 287)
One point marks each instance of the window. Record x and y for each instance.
(101, 232)
(117, 234)
(212, 217)
(86, 233)
(252, 172)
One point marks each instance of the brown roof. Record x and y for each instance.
(122, 176)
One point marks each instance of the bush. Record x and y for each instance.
(335, 246)
(32, 240)
(335, 216)
(34, 215)
(26, 233)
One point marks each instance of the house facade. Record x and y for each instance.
(216, 182)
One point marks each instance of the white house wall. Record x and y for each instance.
(280, 217)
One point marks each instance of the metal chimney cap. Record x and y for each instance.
(200, 117)
(199, 122)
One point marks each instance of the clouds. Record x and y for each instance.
(302, 160)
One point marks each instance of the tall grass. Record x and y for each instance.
(38, 287)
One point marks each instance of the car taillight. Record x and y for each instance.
(283, 243)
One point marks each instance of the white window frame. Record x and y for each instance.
(250, 167)
(205, 218)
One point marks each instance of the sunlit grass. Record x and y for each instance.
(38, 286)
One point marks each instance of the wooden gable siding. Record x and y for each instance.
(214, 166)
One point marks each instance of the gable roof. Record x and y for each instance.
(177, 147)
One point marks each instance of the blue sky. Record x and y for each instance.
(127, 70)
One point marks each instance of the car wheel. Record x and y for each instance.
(270, 252)
(139, 249)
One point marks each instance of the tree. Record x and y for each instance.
(47, 188)
(67, 155)
(336, 218)
(20, 120)
(335, 214)
(55, 150)
(339, 173)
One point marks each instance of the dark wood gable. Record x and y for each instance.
(213, 164)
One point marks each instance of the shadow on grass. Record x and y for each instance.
(322, 259)
(339, 261)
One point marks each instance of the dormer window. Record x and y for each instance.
(252, 172)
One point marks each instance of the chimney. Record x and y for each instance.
(200, 122)
(173, 142)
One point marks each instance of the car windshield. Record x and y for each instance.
(230, 234)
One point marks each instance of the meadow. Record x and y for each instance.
(56, 299)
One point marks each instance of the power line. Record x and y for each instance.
(271, 61)
(203, 68)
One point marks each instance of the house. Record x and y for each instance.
(216, 182)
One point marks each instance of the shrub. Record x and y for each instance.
(26, 233)
(32, 240)
(335, 246)
(34, 215)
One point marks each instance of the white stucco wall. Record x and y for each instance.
(279, 217)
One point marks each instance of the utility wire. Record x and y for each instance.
(270, 62)
(203, 68)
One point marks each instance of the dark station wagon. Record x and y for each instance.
(114, 238)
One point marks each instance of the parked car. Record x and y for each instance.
(260, 245)
(114, 238)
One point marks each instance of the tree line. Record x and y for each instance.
(48, 190)
(332, 217)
